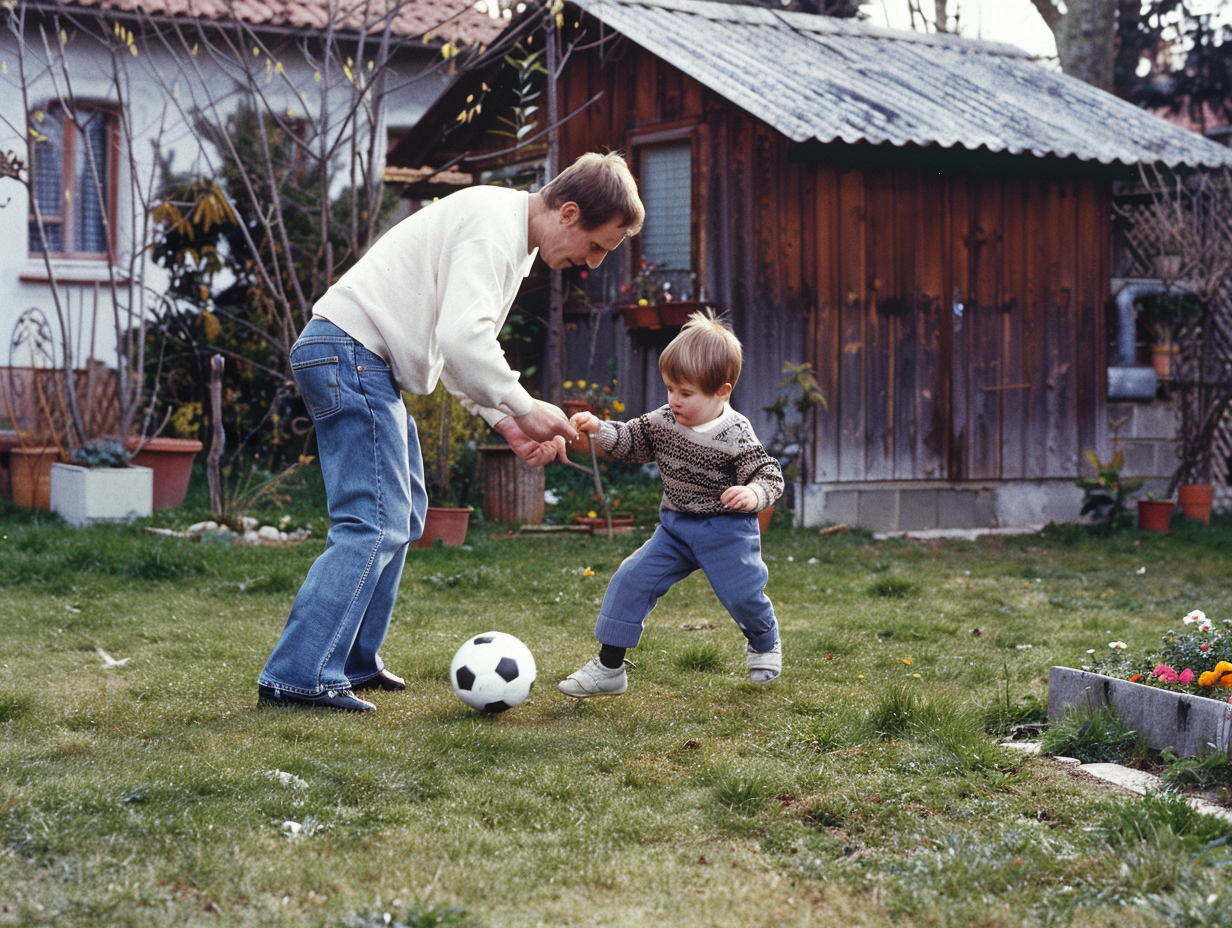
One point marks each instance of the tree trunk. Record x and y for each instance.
(1086, 36)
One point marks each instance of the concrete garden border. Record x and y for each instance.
(1190, 725)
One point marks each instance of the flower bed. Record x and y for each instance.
(1176, 697)
(1189, 724)
(1195, 661)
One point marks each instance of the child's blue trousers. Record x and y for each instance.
(727, 547)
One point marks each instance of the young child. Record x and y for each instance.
(716, 476)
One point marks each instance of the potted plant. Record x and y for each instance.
(79, 415)
(594, 397)
(652, 302)
(1155, 514)
(794, 414)
(1161, 313)
(449, 439)
(1105, 495)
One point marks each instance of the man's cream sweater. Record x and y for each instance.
(431, 296)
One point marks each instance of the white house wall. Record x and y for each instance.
(155, 81)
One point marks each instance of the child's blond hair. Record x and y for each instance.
(706, 354)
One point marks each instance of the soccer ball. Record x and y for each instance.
(492, 672)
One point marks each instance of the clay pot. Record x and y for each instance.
(641, 317)
(171, 459)
(1155, 515)
(30, 476)
(1195, 500)
(1162, 358)
(446, 523)
(763, 518)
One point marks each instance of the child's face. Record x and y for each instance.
(691, 406)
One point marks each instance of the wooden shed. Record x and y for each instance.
(924, 218)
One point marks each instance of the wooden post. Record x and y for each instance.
(212, 462)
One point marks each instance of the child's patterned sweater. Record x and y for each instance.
(697, 465)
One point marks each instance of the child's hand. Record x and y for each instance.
(586, 422)
(742, 499)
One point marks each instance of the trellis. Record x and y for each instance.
(1189, 216)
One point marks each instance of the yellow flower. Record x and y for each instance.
(618, 405)
(1222, 674)
(907, 662)
(581, 384)
(588, 572)
(592, 515)
(859, 676)
(568, 384)
(916, 676)
(643, 302)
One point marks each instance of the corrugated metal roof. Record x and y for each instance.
(818, 77)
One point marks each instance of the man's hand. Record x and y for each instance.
(586, 421)
(544, 422)
(742, 499)
(534, 453)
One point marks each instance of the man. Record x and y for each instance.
(425, 303)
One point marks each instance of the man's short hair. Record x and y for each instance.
(706, 354)
(602, 187)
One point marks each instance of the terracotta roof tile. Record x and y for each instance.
(451, 20)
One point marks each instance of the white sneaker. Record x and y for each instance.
(764, 666)
(595, 680)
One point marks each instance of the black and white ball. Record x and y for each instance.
(492, 672)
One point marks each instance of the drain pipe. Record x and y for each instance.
(1126, 380)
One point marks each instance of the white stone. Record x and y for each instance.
(267, 533)
(1027, 747)
(198, 527)
(252, 538)
(248, 523)
(292, 828)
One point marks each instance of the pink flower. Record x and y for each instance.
(1204, 647)
(1166, 673)
(1186, 676)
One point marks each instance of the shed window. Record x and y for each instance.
(73, 173)
(667, 235)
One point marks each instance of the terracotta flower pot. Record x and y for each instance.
(641, 317)
(1195, 500)
(30, 476)
(677, 312)
(171, 459)
(1155, 515)
(446, 523)
(763, 518)
(1162, 358)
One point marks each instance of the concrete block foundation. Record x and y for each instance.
(938, 506)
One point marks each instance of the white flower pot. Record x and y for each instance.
(82, 495)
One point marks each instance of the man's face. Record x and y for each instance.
(566, 244)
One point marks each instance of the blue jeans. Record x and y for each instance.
(727, 547)
(374, 486)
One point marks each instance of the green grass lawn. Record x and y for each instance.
(863, 788)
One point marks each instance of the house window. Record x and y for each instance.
(73, 172)
(667, 193)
